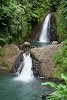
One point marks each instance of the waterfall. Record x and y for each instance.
(26, 73)
(45, 30)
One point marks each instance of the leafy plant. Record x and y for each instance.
(53, 4)
(61, 90)
(1, 51)
(62, 20)
(2, 42)
(18, 17)
(60, 59)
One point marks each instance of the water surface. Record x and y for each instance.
(40, 44)
(18, 90)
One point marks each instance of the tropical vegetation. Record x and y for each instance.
(60, 92)
(17, 20)
(60, 60)
(18, 17)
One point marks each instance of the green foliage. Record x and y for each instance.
(53, 4)
(64, 48)
(57, 58)
(62, 20)
(2, 42)
(60, 8)
(18, 17)
(1, 51)
(61, 90)
(64, 76)
(50, 83)
(60, 59)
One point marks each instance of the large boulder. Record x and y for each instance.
(55, 43)
(26, 44)
(11, 53)
(44, 55)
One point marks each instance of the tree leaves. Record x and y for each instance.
(50, 83)
(61, 90)
(17, 17)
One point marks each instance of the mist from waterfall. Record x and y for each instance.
(26, 74)
(45, 30)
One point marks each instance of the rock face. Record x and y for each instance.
(11, 53)
(17, 67)
(45, 58)
(35, 66)
(53, 29)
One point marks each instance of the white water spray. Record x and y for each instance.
(45, 30)
(26, 74)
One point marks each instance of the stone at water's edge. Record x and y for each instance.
(26, 44)
(11, 53)
(54, 43)
(45, 58)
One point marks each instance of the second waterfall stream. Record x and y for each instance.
(45, 30)
(26, 74)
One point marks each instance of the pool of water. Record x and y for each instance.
(40, 44)
(18, 90)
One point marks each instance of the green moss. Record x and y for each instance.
(4, 64)
(56, 73)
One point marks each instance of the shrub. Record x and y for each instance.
(62, 20)
(1, 51)
(60, 59)
(61, 90)
(18, 17)
(2, 42)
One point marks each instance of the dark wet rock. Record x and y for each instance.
(53, 29)
(35, 65)
(19, 64)
(20, 67)
(43, 96)
(16, 66)
(20, 47)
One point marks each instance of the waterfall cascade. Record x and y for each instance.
(26, 73)
(45, 30)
